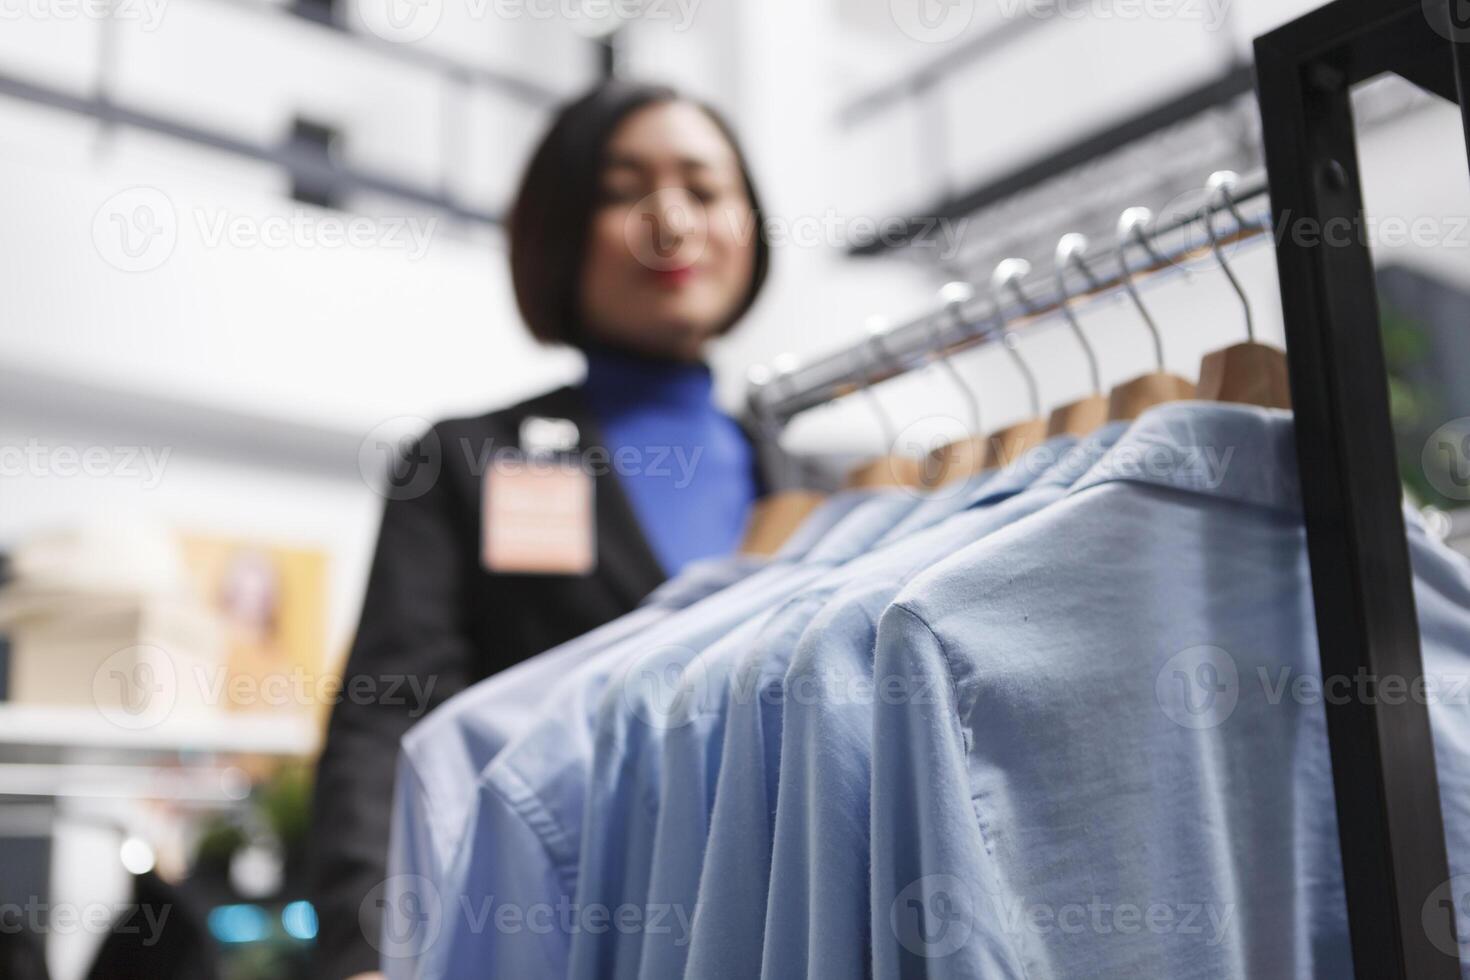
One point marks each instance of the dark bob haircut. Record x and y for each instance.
(550, 222)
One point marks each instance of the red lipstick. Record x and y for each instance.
(674, 278)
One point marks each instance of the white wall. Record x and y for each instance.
(342, 339)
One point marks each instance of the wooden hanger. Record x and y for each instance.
(774, 519)
(1251, 373)
(1131, 399)
(1007, 445)
(776, 516)
(892, 469)
(1084, 415)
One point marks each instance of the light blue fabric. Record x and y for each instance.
(769, 849)
(729, 683)
(618, 827)
(687, 468)
(538, 784)
(441, 757)
(437, 804)
(1098, 771)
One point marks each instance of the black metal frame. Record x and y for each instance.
(331, 177)
(1388, 812)
(1232, 84)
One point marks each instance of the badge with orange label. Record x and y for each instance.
(538, 506)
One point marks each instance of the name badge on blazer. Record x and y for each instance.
(538, 505)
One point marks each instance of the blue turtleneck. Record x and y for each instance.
(687, 468)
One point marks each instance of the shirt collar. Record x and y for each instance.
(821, 521)
(1024, 470)
(703, 577)
(1075, 459)
(864, 526)
(1234, 452)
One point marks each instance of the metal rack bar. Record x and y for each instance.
(1234, 83)
(778, 395)
(1388, 811)
(521, 89)
(297, 165)
(301, 167)
(920, 81)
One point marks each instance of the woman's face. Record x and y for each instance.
(673, 240)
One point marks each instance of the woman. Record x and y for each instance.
(637, 237)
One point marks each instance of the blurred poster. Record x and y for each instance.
(271, 601)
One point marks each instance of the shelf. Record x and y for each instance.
(83, 729)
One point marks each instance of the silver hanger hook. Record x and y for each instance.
(1222, 184)
(783, 366)
(1140, 237)
(955, 295)
(1130, 228)
(1219, 187)
(1008, 275)
(877, 327)
(1069, 252)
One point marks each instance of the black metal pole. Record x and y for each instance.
(1388, 812)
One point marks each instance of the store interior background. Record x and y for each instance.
(269, 373)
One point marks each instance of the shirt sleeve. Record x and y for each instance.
(932, 909)
(816, 923)
(729, 913)
(694, 777)
(505, 910)
(412, 857)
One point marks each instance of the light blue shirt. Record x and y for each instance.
(441, 756)
(636, 711)
(693, 747)
(766, 847)
(438, 791)
(505, 906)
(1119, 765)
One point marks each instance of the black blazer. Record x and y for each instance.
(433, 612)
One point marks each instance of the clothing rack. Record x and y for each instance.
(1395, 866)
(786, 389)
